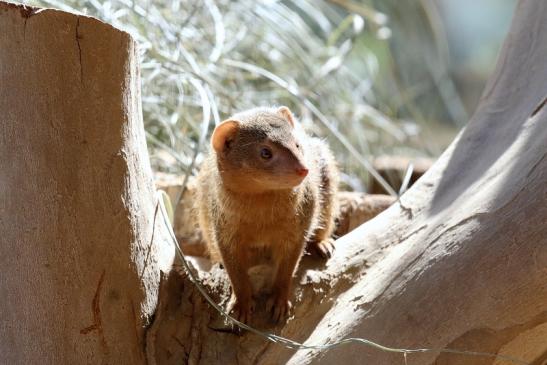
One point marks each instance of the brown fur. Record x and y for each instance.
(258, 213)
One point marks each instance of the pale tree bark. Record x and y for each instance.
(80, 252)
(459, 263)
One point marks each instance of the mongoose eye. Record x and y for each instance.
(266, 153)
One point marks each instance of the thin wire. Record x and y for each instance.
(300, 346)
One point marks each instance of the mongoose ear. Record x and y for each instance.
(286, 113)
(222, 133)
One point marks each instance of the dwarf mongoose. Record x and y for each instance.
(264, 191)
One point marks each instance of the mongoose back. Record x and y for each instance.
(264, 191)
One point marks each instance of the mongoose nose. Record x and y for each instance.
(302, 171)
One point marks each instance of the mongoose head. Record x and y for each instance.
(258, 151)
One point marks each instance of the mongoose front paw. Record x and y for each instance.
(241, 309)
(325, 248)
(279, 308)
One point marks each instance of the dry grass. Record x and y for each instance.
(330, 61)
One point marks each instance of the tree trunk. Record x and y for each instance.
(459, 263)
(80, 249)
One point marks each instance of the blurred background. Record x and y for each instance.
(374, 77)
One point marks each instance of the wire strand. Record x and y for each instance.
(300, 346)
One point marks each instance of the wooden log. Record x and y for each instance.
(80, 248)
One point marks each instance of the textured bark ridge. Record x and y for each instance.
(459, 263)
(80, 251)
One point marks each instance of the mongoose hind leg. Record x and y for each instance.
(321, 240)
